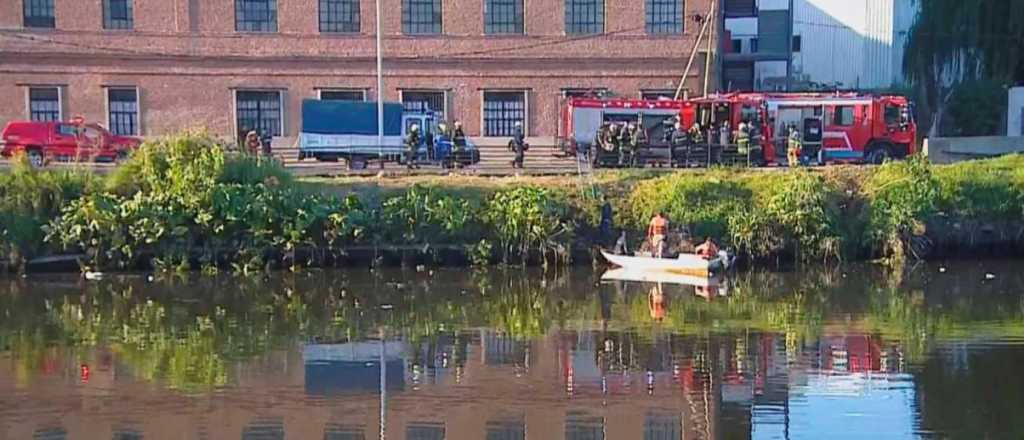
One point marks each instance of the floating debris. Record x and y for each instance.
(990, 276)
(942, 269)
(94, 276)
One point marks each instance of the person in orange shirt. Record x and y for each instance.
(656, 303)
(656, 233)
(708, 250)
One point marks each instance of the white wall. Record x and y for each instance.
(1015, 112)
(858, 43)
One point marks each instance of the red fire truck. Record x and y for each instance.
(835, 127)
(581, 118)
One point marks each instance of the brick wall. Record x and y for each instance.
(186, 59)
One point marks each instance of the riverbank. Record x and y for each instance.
(183, 203)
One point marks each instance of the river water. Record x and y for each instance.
(849, 352)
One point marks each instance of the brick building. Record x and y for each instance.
(150, 67)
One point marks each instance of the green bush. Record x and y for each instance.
(425, 215)
(901, 196)
(528, 218)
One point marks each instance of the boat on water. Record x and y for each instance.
(684, 264)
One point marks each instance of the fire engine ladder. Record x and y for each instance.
(585, 172)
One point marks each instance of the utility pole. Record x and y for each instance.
(380, 92)
(693, 52)
(713, 19)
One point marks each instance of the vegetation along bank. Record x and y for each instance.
(183, 203)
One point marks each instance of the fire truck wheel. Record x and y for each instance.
(879, 153)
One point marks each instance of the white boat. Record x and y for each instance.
(685, 264)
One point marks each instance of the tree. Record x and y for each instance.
(953, 40)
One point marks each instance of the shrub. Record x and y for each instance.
(528, 218)
(901, 196)
(425, 215)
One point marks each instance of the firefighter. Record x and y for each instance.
(265, 144)
(637, 141)
(724, 134)
(252, 143)
(412, 145)
(793, 152)
(518, 145)
(458, 135)
(696, 135)
(626, 144)
(743, 139)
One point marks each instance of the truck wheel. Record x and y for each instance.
(879, 154)
(35, 158)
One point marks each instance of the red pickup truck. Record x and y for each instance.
(64, 141)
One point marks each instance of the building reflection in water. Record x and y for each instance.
(583, 375)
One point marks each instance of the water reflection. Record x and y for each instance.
(843, 353)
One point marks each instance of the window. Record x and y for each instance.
(663, 427)
(754, 45)
(892, 115)
(117, 14)
(342, 94)
(44, 104)
(657, 94)
(737, 46)
(343, 432)
(421, 17)
(264, 429)
(843, 116)
(501, 112)
(425, 101)
(339, 15)
(797, 43)
(584, 17)
(740, 8)
(665, 17)
(424, 431)
(124, 111)
(506, 429)
(503, 16)
(50, 434)
(582, 426)
(39, 14)
(256, 15)
(127, 434)
(258, 110)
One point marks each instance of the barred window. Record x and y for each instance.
(425, 101)
(343, 95)
(117, 14)
(44, 104)
(344, 432)
(663, 427)
(256, 15)
(501, 112)
(583, 426)
(421, 17)
(665, 17)
(503, 16)
(124, 111)
(424, 431)
(339, 15)
(512, 429)
(39, 14)
(584, 17)
(579, 92)
(258, 110)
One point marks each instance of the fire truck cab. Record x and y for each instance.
(734, 108)
(844, 127)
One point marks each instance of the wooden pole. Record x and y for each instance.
(710, 51)
(693, 54)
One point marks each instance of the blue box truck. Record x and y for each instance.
(347, 130)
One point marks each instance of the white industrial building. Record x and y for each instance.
(815, 44)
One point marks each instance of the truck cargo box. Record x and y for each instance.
(349, 117)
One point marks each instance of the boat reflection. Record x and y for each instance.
(705, 287)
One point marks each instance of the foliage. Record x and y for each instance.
(902, 195)
(425, 215)
(978, 107)
(528, 218)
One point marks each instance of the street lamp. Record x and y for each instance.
(380, 92)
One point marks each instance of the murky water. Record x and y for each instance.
(511, 354)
